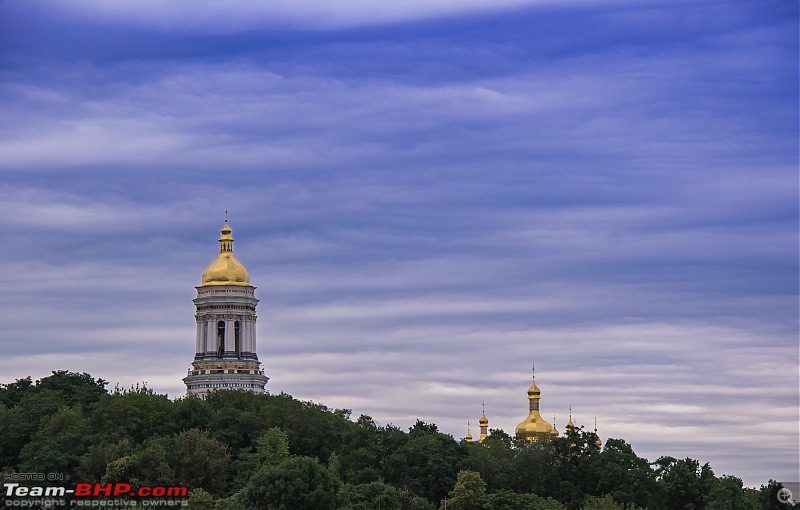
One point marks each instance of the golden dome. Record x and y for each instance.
(534, 427)
(225, 269)
(484, 421)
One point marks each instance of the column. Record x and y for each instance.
(198, 339)
(211, 334)
(229, 338)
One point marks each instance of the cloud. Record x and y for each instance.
(425, 208)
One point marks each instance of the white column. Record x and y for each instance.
(211, 335)
(229, 338)
(198, 339)
(253, 335)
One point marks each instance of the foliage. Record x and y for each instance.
(469, 493)
(241, 451)
(298, 483)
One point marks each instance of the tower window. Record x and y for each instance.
(236, 338)
(220, 337)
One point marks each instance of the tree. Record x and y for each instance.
(508, 500)
(299, 483)
(427, 465)
(12, 393)
(469, 493)
(75, 389)
(371, 496)
(768, 496)
(136, 414)
(728, 493)
(686, 483)
(200, 500)
(58, 444)
(628, 478)
(604, 503)
(199, 460)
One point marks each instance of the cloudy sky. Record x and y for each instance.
(429, 195)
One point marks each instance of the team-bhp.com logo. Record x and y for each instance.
(91, 494)
(87, 490)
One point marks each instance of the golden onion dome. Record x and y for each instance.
(533, 427)
(484, 421)
(468, 437)
(534, 390)
(225, 269)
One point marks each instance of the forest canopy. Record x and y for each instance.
(239, 450)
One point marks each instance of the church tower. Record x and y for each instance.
(484, 424)
(225, 343)
(534, 427)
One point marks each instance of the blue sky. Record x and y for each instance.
(429, 196)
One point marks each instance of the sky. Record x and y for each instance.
(429, 197)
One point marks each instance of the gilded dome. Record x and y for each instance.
(225, 269)
(534, 427)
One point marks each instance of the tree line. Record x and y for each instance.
(236, 450)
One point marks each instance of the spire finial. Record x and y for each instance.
(595, 424)
(226, 214)
(570, 413)
(533, 369)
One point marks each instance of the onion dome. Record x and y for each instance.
(570, 424)
(534, 426)
(225, 269)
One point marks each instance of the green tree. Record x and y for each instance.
(58, 444)
(604, 503)
(768, 496)
(507, 500)
(299, 483)
(469, 493)
(136, 414)
(199, 460)
(272, 447)
(495, 460)
(629, 479)
(19, 424)
(74, 388)
(200, 500)
(728, 493)
(372, 496)
(687, 485)
(12, 393)
(427, 465)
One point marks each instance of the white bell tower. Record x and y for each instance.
(225, 343)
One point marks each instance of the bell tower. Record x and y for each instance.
(225, 342)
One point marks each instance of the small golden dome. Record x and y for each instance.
(484, 421)
(225, 269)
(534, 390)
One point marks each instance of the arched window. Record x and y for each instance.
(220, 337)
(236, 338)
